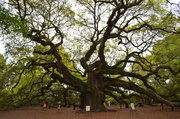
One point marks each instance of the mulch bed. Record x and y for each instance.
(145, 112)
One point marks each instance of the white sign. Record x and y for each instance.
(87, 108)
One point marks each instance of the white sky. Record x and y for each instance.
(2, 50)
(174, 1)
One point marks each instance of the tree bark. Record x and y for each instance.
(94, 96)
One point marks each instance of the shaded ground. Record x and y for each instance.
(146, 112)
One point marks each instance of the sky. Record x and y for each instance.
(2, 50)
(174, 1)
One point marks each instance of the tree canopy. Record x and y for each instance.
(98, 48)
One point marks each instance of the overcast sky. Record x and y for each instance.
(1, 48)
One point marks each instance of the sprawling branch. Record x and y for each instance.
(124, 96)
(133, 86)
(74, 82)
(116, 98)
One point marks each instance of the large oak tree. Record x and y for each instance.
(105, 39)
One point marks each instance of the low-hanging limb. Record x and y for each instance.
(107, 92)
(132, 86)
(123, 94)
(74, 82)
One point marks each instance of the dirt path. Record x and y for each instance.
(146, 112)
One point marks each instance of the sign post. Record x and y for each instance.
(88, 111)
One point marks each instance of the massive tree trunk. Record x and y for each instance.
(94, 95)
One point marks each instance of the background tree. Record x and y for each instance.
(92, 46)
(167, 53)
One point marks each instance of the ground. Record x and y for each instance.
(145, 112)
